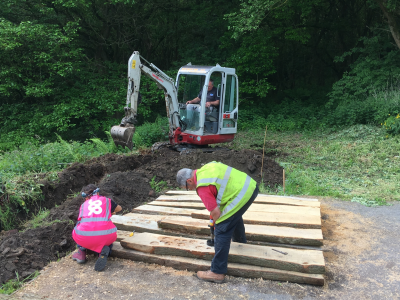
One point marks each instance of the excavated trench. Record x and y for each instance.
(126, 179)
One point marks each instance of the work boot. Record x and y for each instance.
(210, 276)
(102, 260)
(79, 256)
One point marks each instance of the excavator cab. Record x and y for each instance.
(214, 124)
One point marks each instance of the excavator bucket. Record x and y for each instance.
(123, 136)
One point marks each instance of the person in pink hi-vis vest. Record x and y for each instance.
(95, 230)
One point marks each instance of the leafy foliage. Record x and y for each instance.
(376, 67)
(63, 63)
(392, 124)
(150, 133)
(158, 186)
(109, 147)
(35, 57)
(250, 15)
(254, 60)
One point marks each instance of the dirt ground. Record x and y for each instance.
(126, 179)
(360, 248)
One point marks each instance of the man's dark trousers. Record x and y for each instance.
(231, 228)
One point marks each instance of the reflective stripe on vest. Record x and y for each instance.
(105, 219)
(222, 182)
(104, 223)
(95, 233)
(238, 198)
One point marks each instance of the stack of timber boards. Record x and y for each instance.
(171, 231)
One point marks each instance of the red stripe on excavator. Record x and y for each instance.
(211, 139)
(156, 77)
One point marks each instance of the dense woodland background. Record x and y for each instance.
(302, 64)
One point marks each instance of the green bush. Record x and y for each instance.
(285, 116)
(372, 110)
(376, 67)
(392, 124)
(150, 133)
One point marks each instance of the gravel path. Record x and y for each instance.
(361, 252)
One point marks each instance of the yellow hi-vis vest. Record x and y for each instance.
(234, 187)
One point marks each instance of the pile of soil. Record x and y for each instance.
(26, 252)
(125, 179)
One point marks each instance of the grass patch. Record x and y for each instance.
(357, 162)
(158, 186)
(39, 220)
(14, 284)
(21, 170)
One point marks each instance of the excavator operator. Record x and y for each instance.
(212, 97)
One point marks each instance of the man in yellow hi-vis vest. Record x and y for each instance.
(226, 193)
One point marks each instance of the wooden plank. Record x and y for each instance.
(275, 219)
(250, 217)
(121, 234)
(180, 204)
(182, 193)
(137, 222)
(242, 270)
(286, 201)
(259, 200)
(187, 198)
(304, 261)
(148, 223)
(194, 265)
(152, 209)
(263, 233)
(177, 192)
(187, 226)
(303, 210)
(290, 197)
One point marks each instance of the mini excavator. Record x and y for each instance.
(190, 125)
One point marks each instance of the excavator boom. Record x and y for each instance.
(122, 134)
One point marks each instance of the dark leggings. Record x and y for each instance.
(83, 249)
(231, 228)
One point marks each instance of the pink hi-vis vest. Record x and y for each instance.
(95, 229)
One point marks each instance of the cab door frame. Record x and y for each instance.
(228, 118)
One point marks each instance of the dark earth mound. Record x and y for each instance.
(125, 179)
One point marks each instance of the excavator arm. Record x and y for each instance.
(123, 133)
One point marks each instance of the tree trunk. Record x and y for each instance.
(391, 22)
